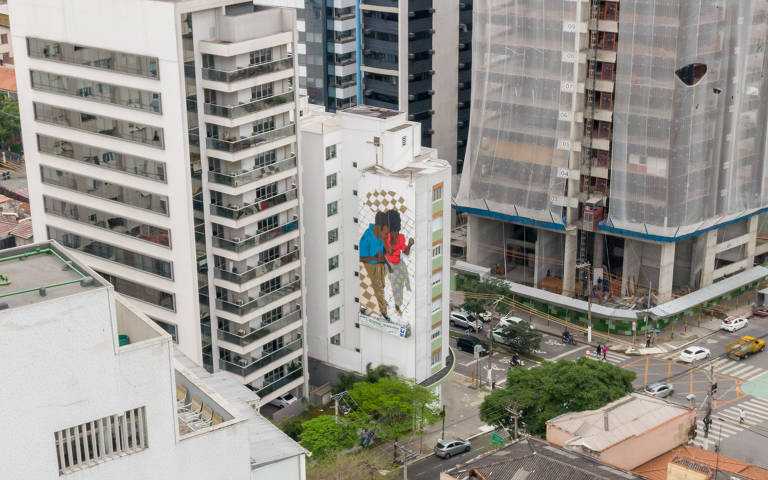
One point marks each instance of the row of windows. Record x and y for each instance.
(101, 125)
(93, 57)
(103, 158)
(97, 91)
(110, 191)
(141, 292)
(110, 252)
(107, 221)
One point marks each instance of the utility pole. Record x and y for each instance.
(442, 414)
(589, 303)
(513, 413)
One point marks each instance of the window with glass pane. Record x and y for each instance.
(172, 329)
(436, 356)
(141, 292)
(336, 339)
(437, 194)
(437, 251)
(330, 152)
(435, 332)
(261, 56)
(333, 262)
(330, 181)
(93, 57)
(272, 316)
(96, 91)
(333, 208)
(333, 235)
(335, 314)
(333, 289)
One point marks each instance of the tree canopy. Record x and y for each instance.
(10, 125)
(323, 435)
(556, 388)
(520, 337)
(392, 406)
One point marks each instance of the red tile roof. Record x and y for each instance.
(23, 230)
(8, 79)
(656, 469)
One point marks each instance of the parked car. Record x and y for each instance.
(731, 324)
(467, 343)
(283, 400)
(450, 447)
(460, 318)
(694, 353)
(498, 336)
(660, 389)
(744, 347)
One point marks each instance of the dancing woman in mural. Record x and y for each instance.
(395, 246)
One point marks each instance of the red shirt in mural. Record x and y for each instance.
(397, 247)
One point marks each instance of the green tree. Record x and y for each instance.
(392, 406)
(373, 375)
(10, 125)
(346, 381)
(520, 337)
(323, 436)
(556, 388)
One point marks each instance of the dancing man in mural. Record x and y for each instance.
(373, 259)
(395, 246)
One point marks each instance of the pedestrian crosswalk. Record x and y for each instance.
(612, 357)
(725, 366)
(725, 423)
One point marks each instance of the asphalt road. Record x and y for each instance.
(430, 467)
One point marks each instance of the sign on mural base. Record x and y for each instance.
(395, 329)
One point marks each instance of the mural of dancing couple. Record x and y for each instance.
(385, 248)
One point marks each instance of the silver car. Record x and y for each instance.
(450, 447)
(660, 390)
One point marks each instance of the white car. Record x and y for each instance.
(497, 335)
(731, 324)
(283, 400)
(691, 354)
(460, 318)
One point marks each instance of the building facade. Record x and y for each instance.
(162, 148)
(106, 396)
(362, 310)
(616, 135)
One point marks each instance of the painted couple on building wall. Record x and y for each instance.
(382, 248)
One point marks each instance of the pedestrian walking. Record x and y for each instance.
(598, 349)
(605, 351)
(741, 415)
(647, 340)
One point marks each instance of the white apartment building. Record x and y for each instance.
(372, 161)
(94, 390)
(162, 148)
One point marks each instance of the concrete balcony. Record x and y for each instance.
(291, 378)
(246, 335)
(244, 73)
(288, 260)
(233, 145)
(243, 307)
(243, 245)
(242, 178)
(237, 111)
(245, 366)
(261, 208)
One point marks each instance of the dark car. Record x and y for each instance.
(467, 343)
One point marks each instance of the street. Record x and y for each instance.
(430, 467)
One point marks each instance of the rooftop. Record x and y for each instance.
(371, 111)
(422, 165)
(700, 460)
(533, 459)
(40, 272)
(8, 79)
(627, 417)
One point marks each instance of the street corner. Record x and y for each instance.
(757, 387)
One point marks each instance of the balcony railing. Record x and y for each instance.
(237, 245)
(257, 271)
(244, 366)
(252, 141)
(260, 205)
(217, 75)
(277, 384)
(244, 178)
(254, 303)
(236, 111)
(244, 338)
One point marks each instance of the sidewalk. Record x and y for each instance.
(670, 339)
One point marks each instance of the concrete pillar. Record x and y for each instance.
(548, 254)
(666, 272)
(752, 224)
(569, 262)
(598, 250)
(703, 259)
(631, 264)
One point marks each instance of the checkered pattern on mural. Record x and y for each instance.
(382, 201)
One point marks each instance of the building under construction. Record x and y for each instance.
(626, 136)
